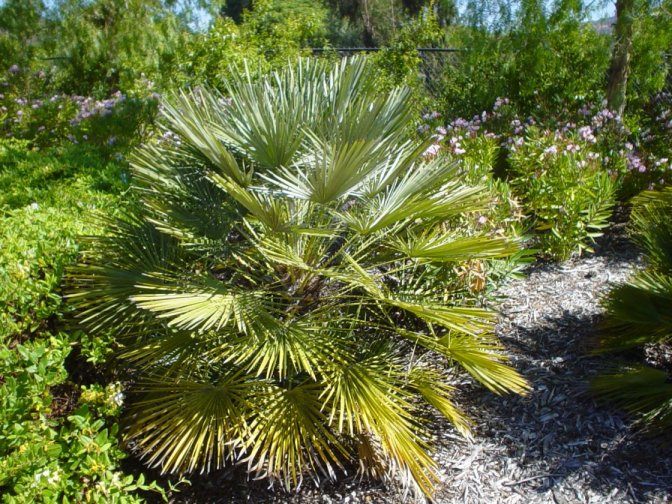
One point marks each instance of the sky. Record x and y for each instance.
(601, 9)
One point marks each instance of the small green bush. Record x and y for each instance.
(49, 458)
(57, 438)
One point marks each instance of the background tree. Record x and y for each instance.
(619, 68)
(21, 30)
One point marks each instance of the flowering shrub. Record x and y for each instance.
(595, 143)
(29, 109)
(563, 187)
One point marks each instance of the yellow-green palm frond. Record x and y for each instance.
(431, 385)
(639, 315)
(367, 398)
(290, 432)
(187, 425)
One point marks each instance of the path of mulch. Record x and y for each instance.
(554, 446)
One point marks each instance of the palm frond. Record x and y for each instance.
(186, 425)
(290, 432)
(451, 248)
(643, 391)
(638, 313)
(366, 398)
(431, 385)
(191, 116)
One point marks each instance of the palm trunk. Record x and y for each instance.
(620, 60)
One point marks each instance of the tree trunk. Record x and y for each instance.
(620, 59)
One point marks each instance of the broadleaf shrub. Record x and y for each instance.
(58, 438)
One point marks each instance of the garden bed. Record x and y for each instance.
(555, 445)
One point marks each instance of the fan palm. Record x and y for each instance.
(279, 294)
(639, 314)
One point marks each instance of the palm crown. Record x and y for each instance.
(281, 294)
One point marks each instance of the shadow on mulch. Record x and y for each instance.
(558, 432)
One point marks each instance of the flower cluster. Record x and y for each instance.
(636, 159)
(30, 110)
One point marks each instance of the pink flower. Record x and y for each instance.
(432, 151)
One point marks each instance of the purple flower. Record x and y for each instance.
(500, 102)
(573, 148)
(635, 163)
(553, 149)
(586, 134)
(14, 69)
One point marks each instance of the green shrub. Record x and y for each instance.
(57, 439)
(281, 293)
(46, 457)
(31, 110)
(39, 219)
(564, 188)
(639, 316)
(270, 34)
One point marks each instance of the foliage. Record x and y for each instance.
(57, 438)
(650, 64)
(53, 459)
(639, 316)
(104, 46)
(542, 63)
(268, 36)
(282, 292)
(564, 189)
(21, 27)
(399, 62)
(30, 110)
